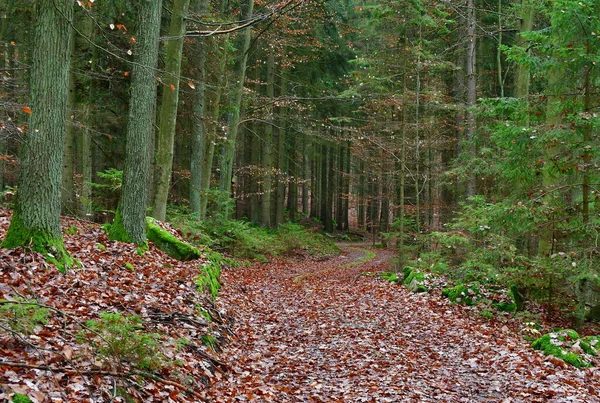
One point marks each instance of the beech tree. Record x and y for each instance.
(36, 217)
(130, 220)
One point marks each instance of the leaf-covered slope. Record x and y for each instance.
(48, 362)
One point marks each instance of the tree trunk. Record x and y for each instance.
(168, 110)
(247, 7)
(471, 91)
(199, 137)
(36, 219)
(267, 157)
(130, 221)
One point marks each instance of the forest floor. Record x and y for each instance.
(300, 330)
(311, 331)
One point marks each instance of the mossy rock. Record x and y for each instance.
(407, 270)
(415, 281)
(517, 297)
(169, 244)
(504, 306)
(462, 294)
(558, 344)
(390, 276)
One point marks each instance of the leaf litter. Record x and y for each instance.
(335, 336)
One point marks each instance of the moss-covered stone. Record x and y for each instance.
(390, 276)
(39, 240)
(504, 306)
(407, 270)
(169, 244)
(517, 297)
(462, 294)
(558, 344)
(415, 281)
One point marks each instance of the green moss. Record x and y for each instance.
(42, 241)
(407, 270)
(486, 313)
(389, 276)
(208, 280)
(100, 246)
(414, 281)
(557, 345)
(116, 231)
(20, 398)
(129, 266)
(170, 244)
(505, 306)
(517, 297)
(461, 294)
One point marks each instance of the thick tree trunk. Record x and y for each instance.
(36, 219)
(168, 110)
(130, 221)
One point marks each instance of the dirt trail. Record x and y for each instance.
(322, 332)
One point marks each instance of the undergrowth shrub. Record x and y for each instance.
(121, 340)
(22, 316)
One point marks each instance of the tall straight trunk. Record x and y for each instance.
(130, 221)
(346, 204)
(471, 60)
(306, 175)
(339, 202)
(282, 134)
(168, 110)
(267, 157)
(199, 138)
(68, 171)
(587, 139)
(84, 140)
(36, 219)
(361, 195)
(547, 236)
(243, 45)
(211, 139)
(499, 51)
(522, 76)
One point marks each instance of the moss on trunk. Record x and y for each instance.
(168, 243)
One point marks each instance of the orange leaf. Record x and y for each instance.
(126, 73)
(172, 86)
(132, 40)
(192, 85)
(27, 110)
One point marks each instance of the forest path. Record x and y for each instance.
(321, 332)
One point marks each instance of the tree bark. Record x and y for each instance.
(168, 110)
(267, 157)
(130, 221)
(36, 219)
(199, 138)
(247, 7)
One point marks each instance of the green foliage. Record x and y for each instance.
(463, 294)
(105, 194)
(20, 398)
(121, 340)
(22, 316)
(208, 280)
(72, 230)
(415, 281)
(559, 344)
(210, 341)
(390, 276)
